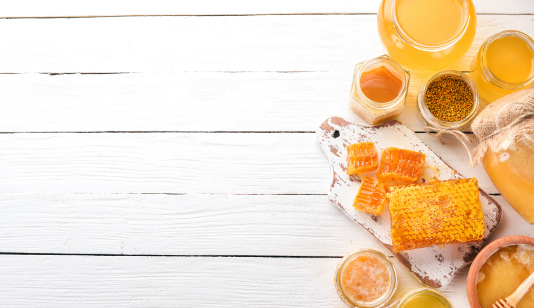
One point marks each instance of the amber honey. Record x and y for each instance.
(512, 172)
(380, 84)
(423, 298)
(378, 79)
(504, 64)
(426, 35)
(503, 272)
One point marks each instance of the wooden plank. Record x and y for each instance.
(287, 225)
(183, 101)
(28, 8)
(265, 101)
(64, 281)
(221, 43)
(254, 163)
(137, 224)
(88, 281)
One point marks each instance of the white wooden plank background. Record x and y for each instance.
(34, 8)
(132, 224)
(232, 163)
(277, 43)
(131, 136)
(261, 80)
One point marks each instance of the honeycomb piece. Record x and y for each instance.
(361, 157)
(435, 214)
(400, 165)
(371, 196)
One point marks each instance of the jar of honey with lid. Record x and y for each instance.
(426, 35)
(504, 64)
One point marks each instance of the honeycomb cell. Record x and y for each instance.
(440, 213)
(400, 165)
(361, 157)
(371, 197)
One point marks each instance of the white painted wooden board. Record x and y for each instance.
(233, 163)
(433, 266)
(213, 43)
(35, 8)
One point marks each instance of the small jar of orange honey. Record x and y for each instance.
(504, 64)
(365, 278)
(379, 89)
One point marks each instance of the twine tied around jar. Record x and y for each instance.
(501, 121)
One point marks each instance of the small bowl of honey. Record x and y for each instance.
(499, 269)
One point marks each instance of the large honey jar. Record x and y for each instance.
(505, 130)
(426, 35)
(512, 171)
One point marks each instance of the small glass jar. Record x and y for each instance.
(384, 298)
(490, 87)
(374, 112)
(415, 54)
(430, 119)
(414, 297)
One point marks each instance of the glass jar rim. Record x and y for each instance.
(429, 47)
(413, 292)
(486, 71)
(430, 118)
(359, 70)
(385, 298)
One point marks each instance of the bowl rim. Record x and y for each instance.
(483, 256)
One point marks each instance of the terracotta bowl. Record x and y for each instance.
(483, 256)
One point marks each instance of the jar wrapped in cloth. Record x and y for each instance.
(506, 149)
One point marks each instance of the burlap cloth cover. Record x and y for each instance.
(504, 119)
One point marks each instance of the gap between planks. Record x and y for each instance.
(220, 15)
(170, 256)
(179, 132)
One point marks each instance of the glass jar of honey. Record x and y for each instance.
(379, 89)
(504, 64)
(511, 169)
(365, 279)
(426, 35)
(423, 298)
